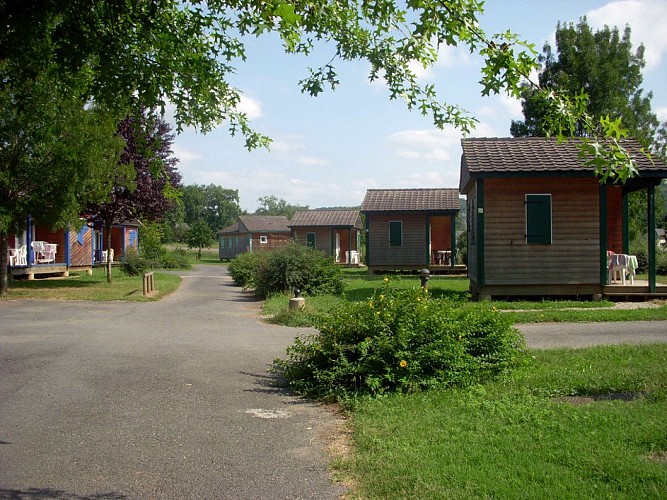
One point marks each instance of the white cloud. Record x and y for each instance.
(661, 113)
(425, 145)
(251, 107)
(647, 20)
(185, 155)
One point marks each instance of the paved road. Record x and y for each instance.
(548, 335)
(170, 399)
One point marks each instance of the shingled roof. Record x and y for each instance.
(327, 218)
(411, 200)
(484, 156)
(258, 224)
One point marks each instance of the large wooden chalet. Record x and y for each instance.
(539, 223)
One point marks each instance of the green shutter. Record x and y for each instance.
(538, 218)
(310, 240)
(395, 233)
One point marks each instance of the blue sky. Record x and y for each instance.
(329, 150)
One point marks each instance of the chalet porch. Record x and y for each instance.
(639, 290)
(41, 270)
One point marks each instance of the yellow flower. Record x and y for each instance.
(386, 280)
(403, 363)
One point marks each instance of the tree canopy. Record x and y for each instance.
(604, 64)
(272, 205)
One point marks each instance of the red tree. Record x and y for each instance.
(145, 179)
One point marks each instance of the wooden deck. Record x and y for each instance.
(40, 270)
(639, 290)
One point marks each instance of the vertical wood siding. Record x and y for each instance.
(441, 233)
(573, 255)
(81, 255)
(412, 251)
(470, 225)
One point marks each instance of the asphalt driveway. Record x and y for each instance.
(169, 399)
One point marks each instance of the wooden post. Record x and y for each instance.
(149, 283)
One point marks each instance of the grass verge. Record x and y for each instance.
(361, 287)
(79, 286)
(524, 436)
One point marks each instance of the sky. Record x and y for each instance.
(328, 150)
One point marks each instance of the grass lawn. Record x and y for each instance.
(586, 423)
(79, 286)
(360, 286)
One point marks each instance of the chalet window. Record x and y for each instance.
(310, 240)
(538, 218)
(263, 239)
(395, 233)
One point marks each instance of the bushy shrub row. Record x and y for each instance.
(639, 249)
(400, 340)
(134, 263)
(286, 268)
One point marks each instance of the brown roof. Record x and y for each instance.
(259, 224)
(407, 200)
(534, 155)
(328, 218)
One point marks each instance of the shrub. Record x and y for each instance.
(176, 259)
(297, 266)
(243, 268)
(134, 264)
(150, 242)
(400, 340)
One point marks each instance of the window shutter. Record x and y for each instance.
(395, 233)
(538, 218)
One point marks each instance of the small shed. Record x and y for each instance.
(409, 229)
(251, 233)
(334, 232)
(539, 223)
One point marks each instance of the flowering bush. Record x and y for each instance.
(400, 340)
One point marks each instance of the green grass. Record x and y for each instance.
(515, 438)
(79, 286)
(360, 286)
(208, 255)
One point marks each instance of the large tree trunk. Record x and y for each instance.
(4, 287)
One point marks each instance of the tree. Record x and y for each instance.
(272, 205)
(53, 152)
(217, 206)
(199, 236)
(605, 65)
(145, 179)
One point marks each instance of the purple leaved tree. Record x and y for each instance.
(145, 180)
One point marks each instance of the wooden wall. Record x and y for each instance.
(81, 254)
(573, 257)
(322, 238)
(412, 252)
(471, 224)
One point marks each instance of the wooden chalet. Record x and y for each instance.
(539, 223)
(335, 233)
(411, 229)
(251, 233)
(38, 250)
